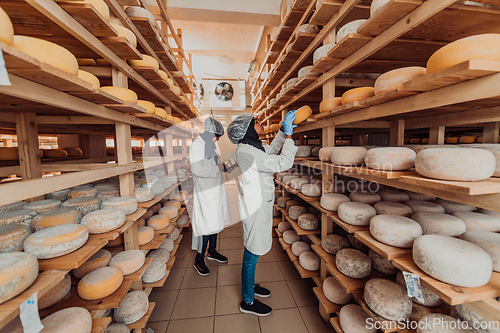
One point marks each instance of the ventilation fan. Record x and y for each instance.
(224, 91)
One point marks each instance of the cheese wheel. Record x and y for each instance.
(452, 260)
(453, 139)
(311, 190)
(74, 151)
(488, 241)
(17, 272)
(86, 62)
(303, 151)
(330, 103)
(55, 294)
(300, 247)
(369, 198)
(436, 322)
(381, 264)
(6, 29)
(334, 292)
(155, 272)
(284, 226)
(306, 71)
(493, 148)
(387, 299)
(357, 244)
(451, 206)
(281, 201)
(174, 234)
(176, 91)
(126, 33)
(356, 213)
(124, 94)
(127, 204)
(322, 52)
(291, 203)
(295, 211)
(182, 220)
(478, 221)
(41, 206)
(392, 208)
(331, 201)
(308, 222)
(353, 319)
(390, 159)
(47, 52)
(291, 83)
(158, 222)
(393, 195)
(104, 195)
(163, 74)
(133, 307)
(87, 191)
(288, 179)
(103, 220)
(439, 224)
(54, 153)
(430, 298)
(100, 283)
(55, 217)
(489, 212)
(150, 107)
(84, 205)
(90, 78)
(461, 164)
(479, 47)
(136, 11)
(128, 262)
(12, 207)
(167, 244)
(357, 94)
(467, 139)
(348, 155)
(333, 243)
(170, 211)
(395, 230)
(424, 206)
(9, 153)
(160, 255)
(12, 237)
(175, 203)
(302, 114)
(100, 259)
(315, 151)
(75, 320)
(419, 196)
(307, 28)
(146, 235)
(349, 28)
(143, 194)
(309, 261)
(147, 61)
(290, 237)
(394, 79)
(56, 241)
(23, 216)
(353, 263)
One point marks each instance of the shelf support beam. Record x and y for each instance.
(491, 132)
(397, 133)
(436, 135)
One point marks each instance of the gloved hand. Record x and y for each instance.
(288, 125)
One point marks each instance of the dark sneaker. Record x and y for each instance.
(217, 257)
(200, 267)
(257, 308)
(261, 291)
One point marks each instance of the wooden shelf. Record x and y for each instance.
(166, 230)
(335, 321)
(141, 323)
(326, 257)
(391, 325)
(157, 284)
(278, 233)
(87, 15)
(112, 235)
(283, 244)
(174, 250)
(100, 324)
(388, 252)
(292, 256)
(178, 240)
(127, 107)
(154, 244)
(346, 226)
(351, 285)
(488, 186)
(329, 306)
(304, 273)
(154, 118)
(171, 262)
(137, 276)
(299, 230)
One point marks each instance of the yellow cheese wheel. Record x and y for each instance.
(54, 153)
(357, 94)
(43, 205)
(17, 272)
(90, 78)
(452, 139)
(415, 140)
(147, 61)
(54, 217)
(124, 94)
(47, 52)
(302, 114)
(73, 151)
(56, 241)
(103, 220)
(150, 107)
(479, 47)
(101, 7)
(86, 62)
(9, 154)
(129, 261)
(394, 79)
(158, 222)
(163, 75)
(12, 237)
(479, 139)
(146, 235)
(102, 63)
(55, 294)
(330, 103)
(176, 89)
(127, 204)
(426, 140)
(176, 120)
(100, 259)
(141, 222)
(85, 191)
(6, 28)
(124, 32)
(100, 283)
(170, 117)
(175, 203)
(275, 127)
(467, 139)
(170, 82)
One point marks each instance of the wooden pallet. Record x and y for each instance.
(387, 251)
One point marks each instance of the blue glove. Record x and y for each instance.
(288, 125)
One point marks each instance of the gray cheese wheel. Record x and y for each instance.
(331, 201)
(353, 319)
(295, 211)
(322, 52)
(284, 226)
(280, 175)
(133, 307)
(424, 206)
(333, 243)
(297, 183)
(381, 264)
(155, 272)
(368, 198)
(299, 247)
(390, 159)
(23, 216)
(430, 298)
(348, 155)
(419, 196)
(387, 299)
(393, 208)
(290, 237)
(281, 201)
(308, 222)
(489, 212)
(395, 230)
(303, 151)
(287, 179)
(439, 224)
(161, 255)
(309, 261)
(473, 319)
(117, 328)
(334, 292)
(451, 207)
(325, 154)
(291, 203)
(478, 221)
(488, 241)
(315, 151)
(311, 190)
(357, 244)
(440, 323)
(356, 213)
(167, 244)
(353, 263)
(393, 195)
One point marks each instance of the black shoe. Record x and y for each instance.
(200, 267)
(257, 308)
(217, 257)
(261, 291)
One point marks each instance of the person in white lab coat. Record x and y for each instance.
(210, 207)
(257, 164)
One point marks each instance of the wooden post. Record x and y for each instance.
(397, 132)
(436, 135)
(268, 42)
(491, 132)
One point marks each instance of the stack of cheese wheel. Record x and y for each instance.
(357, 94)
(56, 241)
(18, 271)
(394, 79)
(126, 33)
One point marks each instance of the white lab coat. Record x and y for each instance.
(257, 189)
(210, 208)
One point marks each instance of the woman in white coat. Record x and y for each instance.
(210, 208)
(257, 164)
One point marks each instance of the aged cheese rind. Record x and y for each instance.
(356, 213)
(56, 241)
(104, 220)
(387, 299)
(12, 237)
(395, 230)
(17, 272)
(75, 320)
(353, 263)
(390, 159)
(439, 224)
(133, 307)
(478, 221)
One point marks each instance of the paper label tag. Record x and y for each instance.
(413, 286)
(30, 319)
(4, 76)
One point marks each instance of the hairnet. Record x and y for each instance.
(213, 126)
(238, 127)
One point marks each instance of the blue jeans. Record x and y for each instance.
(211, 241)
(248, 276)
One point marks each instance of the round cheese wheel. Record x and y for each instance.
(390, 159)
(322, 52)
(333, 243)
(87, 191)
(86, 62)
(107, 186)
(311, 190)
(494, 149)
(357, 94)
(146, 235)
(306, 71)
(104, 195)
(479, 47)
(353, 263)
(381, 264)
(90, 78)
(100, 283)
(353, 319)
(291, 83)
(75, 320)
(419, 196)
(117, 328)
(143, 194)
(158, 222)
(184, 220)
(101, 7)
(299, 247)
(47, 52)
(460, 164)
(103, 220)
(12, 207)
(325, 154)
(100, 259)
(287, 179)
(170, 211)
(472, 318)
(56, 241)
(418, 148)
(349, 28)
(160, 255)
(54, 153)
(125, 33)
(430, 298)
(164, 75)
(155, 272)
(124, 94)
(331, 201)
(395, 230)
(127, 204)
(302, 114)
(394, 79)
(12, 237)
(424, 206)
(307, 28)
(393, 195)
(309, 261)
(55, 294)
(315, 151)
(467, 139)
(284, 226)
(334, 292)
(295, 211)
(356, 213)
(330, 103)
(6, 29)
(452, 139)
(280, 175)
(290, 237)
(488, 241)
(167, 244)
(128, 262)
(452, 261)
(74, 151)
(356, 243)
(478, 221)
(84, 205)
(175, 203)
(136, 11)
(387, 299)
(348, 155)
(439, 224)
(297, 183)
(23, 216)
(308, 222)
(369, 198)
(281, 201)
(174, 234)
(150, 107)
(489, 212)
(160, 112)
(17, 272)
(147, 61)
(9, 153)
(41, 206)
(133, 307)
(55, 217)
(450, 206)
(392, 208)
(303, 151)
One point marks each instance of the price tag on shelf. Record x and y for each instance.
(413, 286)
(4, 76)
(30, 318)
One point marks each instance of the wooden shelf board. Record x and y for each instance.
(157, 284)
(391, 325)
(340, 110)
(122, 47)
(304, 273)
(388, 252)
(346, 226)
(348, 45)
(166, 230)
(292, 256)
(100, 324)
(335, 321)
(277, 46)
(126, 107)
(141, 323)
(351, 285)
(293, 17)
(324, 64)
(329, 306)
(276, 221)
(324, 12)
(143, 25)
(326, 257)
(309, 200)
(174, 250)
(90, 18)
(171, 262)
(178, 240)
(154, 244)
(74, 259)
(488, 186)
(299, 230)
(363, 170)
(154, 118)
(280, 235)
(283, 244)
(302, 41)
(284, 33)
(137, 276)
(44, 282)
(97, 96)
(452, 295)
(386, 97)
(112, 235)
(305, 81)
